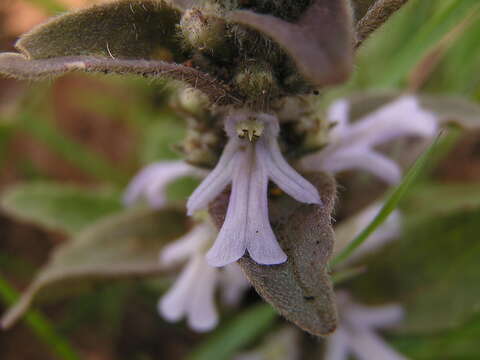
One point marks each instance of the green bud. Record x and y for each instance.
(203, 31)
(192, 101)
(257, 81)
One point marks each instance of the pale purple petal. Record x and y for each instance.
(174, 304)
(282, 174)
(347, 230)
(233, 283)
(366, 345)
(375, 317)
(231, 244)
(399, 118)
(338, 116)
(361, 159)
(337, 346)
(216, 181)
(187, 245)
(262, 244)
(201, 314)
(152, 181)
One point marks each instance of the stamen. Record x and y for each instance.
(251, 128)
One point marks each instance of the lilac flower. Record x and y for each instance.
(152, 181)
(192, 295)
(348, 229)
(250, 159)
(356, 333)
(352, 146)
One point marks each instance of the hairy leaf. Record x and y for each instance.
(119, 246)
(321, 58)
(59, 207)
(135, 29)
(17, 66)
(299, 289)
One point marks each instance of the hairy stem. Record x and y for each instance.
(375, 17)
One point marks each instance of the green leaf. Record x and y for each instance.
(135, 29)
(321, 58)
(66, 208)
(390, 205)
(300, 289)
(230, 338)
(123, 245)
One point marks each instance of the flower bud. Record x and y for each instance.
(257, 81)
(203, 31)
(192, 101)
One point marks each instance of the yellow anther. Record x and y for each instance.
(250, 128)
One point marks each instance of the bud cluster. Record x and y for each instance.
(256, 67)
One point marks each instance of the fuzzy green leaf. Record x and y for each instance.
(135, 29)
(321, 58)
(59, 207)
(123, 245)
(299, 289)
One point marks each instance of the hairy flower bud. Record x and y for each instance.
(257, 81)
(192, 101)
(203, 31)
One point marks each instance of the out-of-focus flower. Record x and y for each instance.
(250, 159)
(152, 181)
(350, 228)
(283, 344)
(352, 145)
(193, 293)
(357, 331)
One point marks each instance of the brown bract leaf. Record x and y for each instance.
(123, 245)
(320, 43)
(135, 29)
(18, 67)
(300, 289)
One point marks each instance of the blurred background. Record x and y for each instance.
(94, 133)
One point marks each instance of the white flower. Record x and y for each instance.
(152, 181)
(356, 334)
(193, 294)
(352, 146)
(250, 159)
(350, 228)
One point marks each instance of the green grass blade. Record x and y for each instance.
(391, 204)
(51, 6)
(85, 159)
(40, 326)
(225, 342)
(428, 35)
